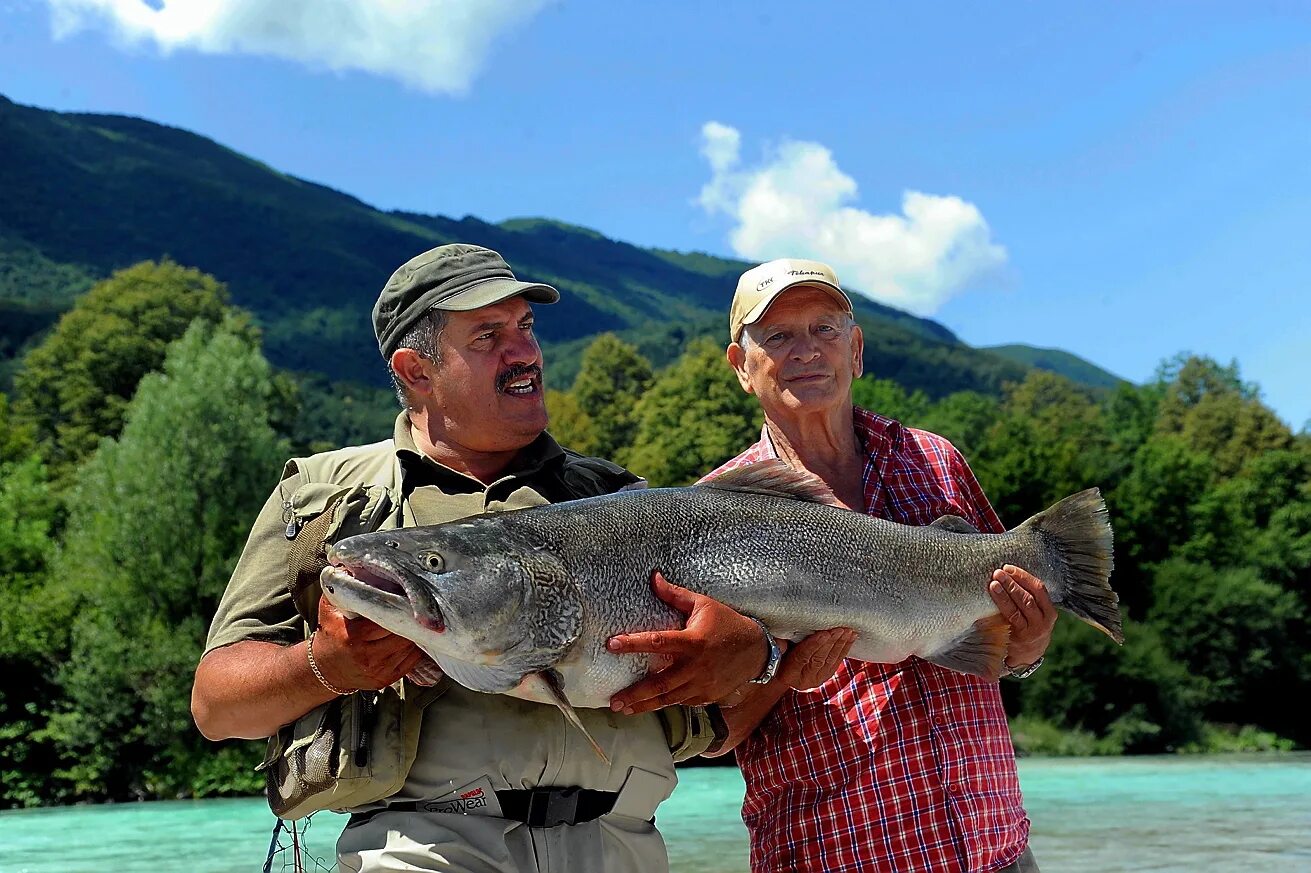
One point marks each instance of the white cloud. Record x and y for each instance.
(433, 45)
(796, 203)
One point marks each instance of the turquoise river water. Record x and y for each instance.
(1240, 813)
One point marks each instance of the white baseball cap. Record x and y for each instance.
(760, 286)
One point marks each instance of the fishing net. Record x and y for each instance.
(289, 851)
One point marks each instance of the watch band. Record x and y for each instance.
(774, 657)
(1025, 671)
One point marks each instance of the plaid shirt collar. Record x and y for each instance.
(880, 439)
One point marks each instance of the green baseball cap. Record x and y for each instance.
(457, 278)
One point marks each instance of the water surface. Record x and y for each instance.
(1245, 814)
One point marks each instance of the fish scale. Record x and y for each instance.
(537, 592)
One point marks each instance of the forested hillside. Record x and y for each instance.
(86, 195)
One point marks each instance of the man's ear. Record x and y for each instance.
(737, 359)
(412, 369)
(858, 349)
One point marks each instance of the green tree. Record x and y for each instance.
(964, 417)
(888, 398)
(1238, 633)
(1152, 513)
(1129, 415)
(1217, 414)
(1136, 698)
(27, 514)
(694, 418)
(1047, 443)
(75, 386)
(611, 380)
(157, 520)
(570, 426)
(1231, 523)
(16, 439)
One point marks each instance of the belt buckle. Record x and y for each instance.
(550, 807)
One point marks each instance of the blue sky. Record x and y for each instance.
(1123, 180)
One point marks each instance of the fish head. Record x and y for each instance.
(465, 592)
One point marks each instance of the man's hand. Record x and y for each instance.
(717, 651)
(813, 661)
(355, 653)
(1023, 600)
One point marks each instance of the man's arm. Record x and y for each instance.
(716, 654)
(250, 689)
(1024, 601)
(255, 675)
(806, 665)
(718, 651)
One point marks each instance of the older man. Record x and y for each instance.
(456, 329)
(905, 767)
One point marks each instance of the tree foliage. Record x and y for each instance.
(75, 386)
(611, 380)
(113, 569)
(157, 519)
(694, 418)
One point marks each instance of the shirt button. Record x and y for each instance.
(939, 720)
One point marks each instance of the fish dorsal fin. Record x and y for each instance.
(774, 478)
(955, 524)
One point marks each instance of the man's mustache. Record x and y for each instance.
(518, 371)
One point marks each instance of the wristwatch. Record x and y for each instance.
(774, 657)
(1024, 671)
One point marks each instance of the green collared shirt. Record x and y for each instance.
(257, 604)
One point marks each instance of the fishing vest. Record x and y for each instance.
(358, 749)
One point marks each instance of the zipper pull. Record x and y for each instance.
(362, 739)
(293, 523)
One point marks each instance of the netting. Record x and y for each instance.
(290, 853)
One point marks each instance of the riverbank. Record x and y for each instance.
(1038, 737)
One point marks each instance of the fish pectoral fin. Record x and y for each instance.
(979, 652)
(955, 524)
(548, 683)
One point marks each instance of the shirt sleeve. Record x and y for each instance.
(256, 604)
(982, 515)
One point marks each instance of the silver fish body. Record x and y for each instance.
(500, 601)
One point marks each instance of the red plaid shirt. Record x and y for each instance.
(890, 767)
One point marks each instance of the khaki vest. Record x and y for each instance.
(359, 749)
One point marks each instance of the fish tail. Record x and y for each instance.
(1078, 534)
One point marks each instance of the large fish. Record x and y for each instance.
(523, 602)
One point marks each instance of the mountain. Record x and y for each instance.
(86, 194)
(1072, 367)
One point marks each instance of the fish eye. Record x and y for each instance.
(391, 544)
(433, 561)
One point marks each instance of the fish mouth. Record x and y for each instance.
(384, 587)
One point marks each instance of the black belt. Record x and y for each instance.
(537, 808)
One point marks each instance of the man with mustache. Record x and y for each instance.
(496, 783)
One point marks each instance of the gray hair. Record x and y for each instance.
(423, 337)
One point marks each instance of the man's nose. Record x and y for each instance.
(805, 349)
(522, 349)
